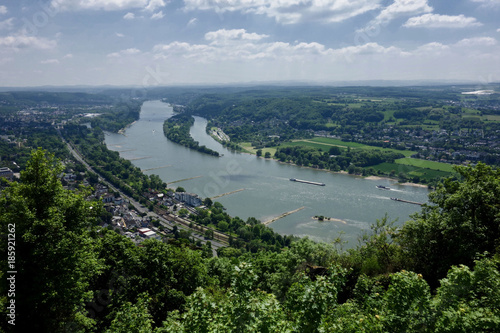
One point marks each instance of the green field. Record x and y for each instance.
(491, 117)
(321, 146)
(324, 143)
(426, 164)
(411, 171)
(247, 147)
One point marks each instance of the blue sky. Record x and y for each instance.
(159, 42)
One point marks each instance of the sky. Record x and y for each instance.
(149, 43)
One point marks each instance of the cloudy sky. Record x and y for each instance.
(160, 42)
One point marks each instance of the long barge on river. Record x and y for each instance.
(306, 182)
(410, 202)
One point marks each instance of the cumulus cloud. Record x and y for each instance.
(122, 53)
(233, 34)
(157, 16)
(238, 45)
(129, 16)
(154, 5)
(441, 21)
(290, 11)
(3, 10)
(399, 8)
(434, 48)
(49, 61)
(7, 24)
(108, 5)
(23, 42)
(477, 41)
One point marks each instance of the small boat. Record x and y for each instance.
(382, 187)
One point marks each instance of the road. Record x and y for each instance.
(141, 208)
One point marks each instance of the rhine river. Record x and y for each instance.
(353, 203)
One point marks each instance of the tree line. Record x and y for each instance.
(336, 159)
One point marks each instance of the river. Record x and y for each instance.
(353, 203)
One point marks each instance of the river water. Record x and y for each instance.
(352, 203)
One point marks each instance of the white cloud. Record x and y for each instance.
(49, 62)
(290, 11)
(477, 41)
(23, 42)
(68, 56)
(157, 16)
(498, 30)
(441, 21)
(108, 5)
(399, 8)
(154, 5)
(119, 35)
(224, 35)
(433, 48)
(237, 45)
(122, 53)
(192, 21)
(7, 24)
(3, 10)
(129, 16)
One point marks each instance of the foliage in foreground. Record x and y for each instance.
(73, 277)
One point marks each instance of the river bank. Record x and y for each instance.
(268, 189)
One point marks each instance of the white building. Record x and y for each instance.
(188, 198)
(6, 173)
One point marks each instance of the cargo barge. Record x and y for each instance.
(410, 202)
(306, 182)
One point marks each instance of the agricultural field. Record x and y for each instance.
(324, 144)
(415, 162)
(247, 147)
(424, 174)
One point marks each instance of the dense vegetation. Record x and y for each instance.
(120, 172)
(177, 128)
(439, 273)
(119, 116)
(336, 159)
(245, 236)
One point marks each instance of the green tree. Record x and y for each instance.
(462, 221)
(183, 212)
(55, 257)
(240, 309)
(308, 301)
(207, 202)
(469, 300)
(132, 318)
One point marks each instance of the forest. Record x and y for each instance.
(440, 272)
